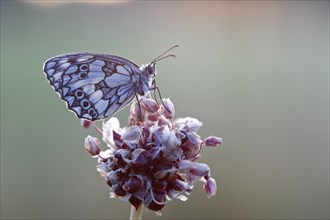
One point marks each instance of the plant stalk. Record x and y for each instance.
(136, 214)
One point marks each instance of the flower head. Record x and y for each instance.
(153, 161)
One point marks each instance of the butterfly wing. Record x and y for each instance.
(94, 86)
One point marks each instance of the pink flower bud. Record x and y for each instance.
(92, 145)
(182, 185)
(132, 133)
(168, 108)
(153, 116)
(110, 130)
(133, 184)
(213, 141)
(139, 159)
(85, 123)
(185, 165)
(131, 120)
(200, 169)
(137, 111)
(188, 124)
(149, 105)
(210, 187)
(194, 138)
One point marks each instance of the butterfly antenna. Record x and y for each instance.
(160, 56)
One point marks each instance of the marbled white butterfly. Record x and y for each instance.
(95, 86)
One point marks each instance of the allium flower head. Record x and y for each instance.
(153, 160)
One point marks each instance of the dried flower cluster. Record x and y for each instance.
(153, 160)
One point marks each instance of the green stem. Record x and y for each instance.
(136, 214)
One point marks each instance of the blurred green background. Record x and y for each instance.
(255, 73)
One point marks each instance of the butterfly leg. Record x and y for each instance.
(155, 94)
(140, 115)
(160, 96)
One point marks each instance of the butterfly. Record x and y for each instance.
(96, 86)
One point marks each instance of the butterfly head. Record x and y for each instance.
(146, 81)
(151, 70)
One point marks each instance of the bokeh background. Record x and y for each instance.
(255, 73)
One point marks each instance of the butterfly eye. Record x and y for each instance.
(85, 104)
(79, 94)
(82, 75)
(151, 69)
(83, 67)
